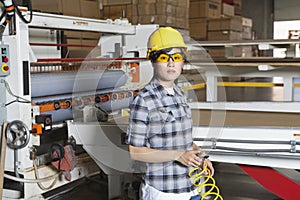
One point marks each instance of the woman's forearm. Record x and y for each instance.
(146, 154)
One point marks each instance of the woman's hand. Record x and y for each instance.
(210, 166)
(190, 158)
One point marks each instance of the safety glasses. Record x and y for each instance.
(176, 57)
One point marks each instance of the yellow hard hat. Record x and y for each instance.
(164, 37)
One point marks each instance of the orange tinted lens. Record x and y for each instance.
(163, 58)
(177, 57)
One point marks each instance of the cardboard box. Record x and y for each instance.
(116, 11)
(198, 28)
(205, 9)
(74, 42)
(54, 6)
(216, 1)
(82, 35)
(224, 35)
(71, 7)
(91, 42)
(231, 2)
(73, 34)
(78, 8)
(153, 19)
(141, 2)
(135, 20)
(246, 21)
(232, 24)
(165, 9)
(236, 51)
(197, 54)
(183, 3)
(67, 7)
(173, 2)
(114, 2)
(227, 10)
(247, 33)
(91, 35)
(146, 19)
(134, 9)
(89, 9)
(147, 9)
(182, 11)
(238, 7)
(170, 21)
(181, 23)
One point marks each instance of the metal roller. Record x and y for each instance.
(46, 84)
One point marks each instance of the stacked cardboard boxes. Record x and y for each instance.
(225, 28)
(163, 12)
(78, 8)
(247, 28)
(233, 28)
(116, 9)
(200, 12)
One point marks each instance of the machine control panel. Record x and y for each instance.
(5, 61)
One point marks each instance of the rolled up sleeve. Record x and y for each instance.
(138, 123)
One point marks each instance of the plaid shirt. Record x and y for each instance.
(162, 121)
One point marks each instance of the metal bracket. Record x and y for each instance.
(293, 146)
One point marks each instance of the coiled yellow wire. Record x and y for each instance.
(197, 174)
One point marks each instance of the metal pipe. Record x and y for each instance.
(62, 45)
(244, 141)
(249, 150)
(87, 59)
(216, 152)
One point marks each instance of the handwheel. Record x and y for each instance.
(17, 134)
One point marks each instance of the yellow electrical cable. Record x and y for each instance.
(207, 182)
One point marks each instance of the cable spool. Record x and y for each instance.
(17, 135)
(203, 180)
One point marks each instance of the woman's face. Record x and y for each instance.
(168, 72)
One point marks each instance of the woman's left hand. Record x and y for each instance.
(210, 166)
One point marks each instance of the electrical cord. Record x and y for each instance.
(23, 180)
(12, 94)
(36, 173)
(11, 8)
(202, 179)
(20, 13)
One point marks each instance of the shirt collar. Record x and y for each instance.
(157, 86)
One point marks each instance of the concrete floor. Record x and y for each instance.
(234, 183)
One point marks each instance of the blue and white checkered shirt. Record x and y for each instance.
(162, 121)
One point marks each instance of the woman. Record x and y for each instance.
(160, 125)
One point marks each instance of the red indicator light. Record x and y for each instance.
(6, 68)
(5, 59)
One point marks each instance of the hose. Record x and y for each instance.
(23, 180)
(202, 179)
(38, 177)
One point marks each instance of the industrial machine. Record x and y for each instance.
(57, 113)
(46, 98)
